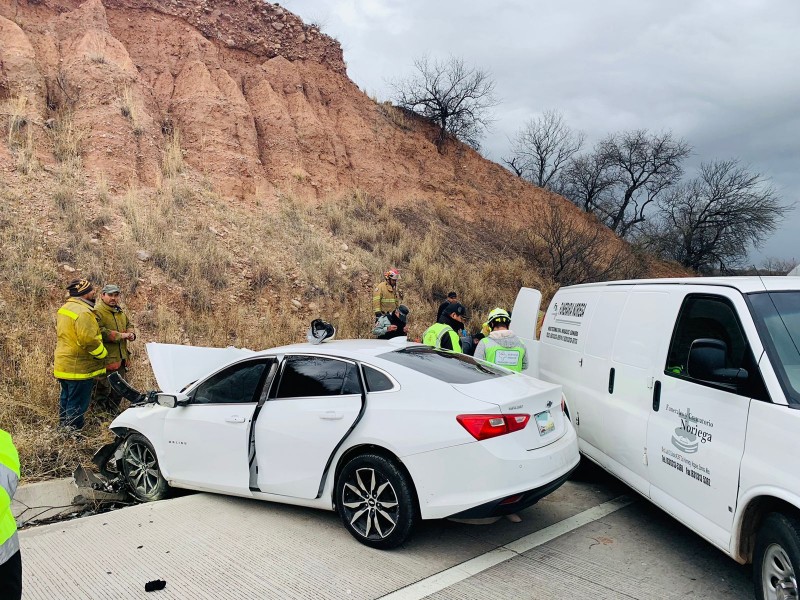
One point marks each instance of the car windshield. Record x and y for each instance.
(777, 316)
(450, 367)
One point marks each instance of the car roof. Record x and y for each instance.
(745, 285)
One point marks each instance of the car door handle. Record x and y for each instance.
(331, 415)
(657, 396)
(234, 419)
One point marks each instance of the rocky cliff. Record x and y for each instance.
(259, 99)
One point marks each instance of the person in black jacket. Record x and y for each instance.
(452, 298)
(393, 324)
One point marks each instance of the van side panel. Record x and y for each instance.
(769, 465)
(639, 341)
(561, 359)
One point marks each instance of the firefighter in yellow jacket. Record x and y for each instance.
(10, 560)
(80, 353)
(386, 297)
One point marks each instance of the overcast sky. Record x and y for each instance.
(723, 74)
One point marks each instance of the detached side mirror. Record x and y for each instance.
(172, 400)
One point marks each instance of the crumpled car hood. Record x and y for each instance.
(176, 366)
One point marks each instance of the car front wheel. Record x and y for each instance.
(776, 560)
(140, 470)
(375, 501)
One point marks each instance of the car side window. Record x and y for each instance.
(235, 385)
(721, 356)
(376, 381)
(317, 376)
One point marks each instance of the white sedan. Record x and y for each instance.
(384, 432)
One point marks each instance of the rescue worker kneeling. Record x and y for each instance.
(502, 347)
(444, 334)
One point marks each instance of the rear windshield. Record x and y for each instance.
(450, 367)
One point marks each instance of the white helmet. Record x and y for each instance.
(320, 330)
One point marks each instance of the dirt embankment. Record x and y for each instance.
(260, 99)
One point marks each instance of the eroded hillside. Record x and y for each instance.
(215, 160)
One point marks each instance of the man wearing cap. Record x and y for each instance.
(452, 298)
(117, 331)
(80, 353)
(392, 325)
(445, 333)
(386, 297)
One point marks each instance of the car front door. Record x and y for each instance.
(207, 441)
(696, 431)
(315, 403)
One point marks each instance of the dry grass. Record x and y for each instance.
(67, 139)
(396, 116)
(172, 163)
(20, 133)
(127, 106)
(220, 274)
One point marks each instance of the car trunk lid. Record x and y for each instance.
(524, 395)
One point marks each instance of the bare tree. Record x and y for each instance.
(710, 222)
(542, 148)
(645, 165)
(777, 266)
(588, 182)
(569, 253)
(456, 97)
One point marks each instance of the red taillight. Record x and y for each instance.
(563, 404)
(483, 427)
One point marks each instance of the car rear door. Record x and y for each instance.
(207, 441)
(315, 403)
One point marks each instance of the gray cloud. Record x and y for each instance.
(720, 73)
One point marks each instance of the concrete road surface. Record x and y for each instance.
(593, 538)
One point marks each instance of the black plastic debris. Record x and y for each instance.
(155, 585)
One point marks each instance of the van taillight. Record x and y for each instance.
(563, 404)
(483, 427)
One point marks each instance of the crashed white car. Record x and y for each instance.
(384, 432)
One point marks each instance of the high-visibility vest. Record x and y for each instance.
(433, 336)
(510, 358)
(9, 476)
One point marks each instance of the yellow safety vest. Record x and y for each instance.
(433, 336)
(9, 475)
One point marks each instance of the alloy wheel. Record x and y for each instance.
(370, 503)
(777, 574)
(141, 468)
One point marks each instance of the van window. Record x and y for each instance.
(714, 318)
(777, 317)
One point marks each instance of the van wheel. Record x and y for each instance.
(375, 501)
(776, 559)
(140, 470)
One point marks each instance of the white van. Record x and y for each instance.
(688, 390)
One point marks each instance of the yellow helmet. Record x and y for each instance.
(498, 316)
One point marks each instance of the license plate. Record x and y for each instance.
(545, 423)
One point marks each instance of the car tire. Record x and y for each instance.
(776, 558)
(141, 471)
(375, 501)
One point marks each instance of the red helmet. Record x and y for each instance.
(393, 274)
